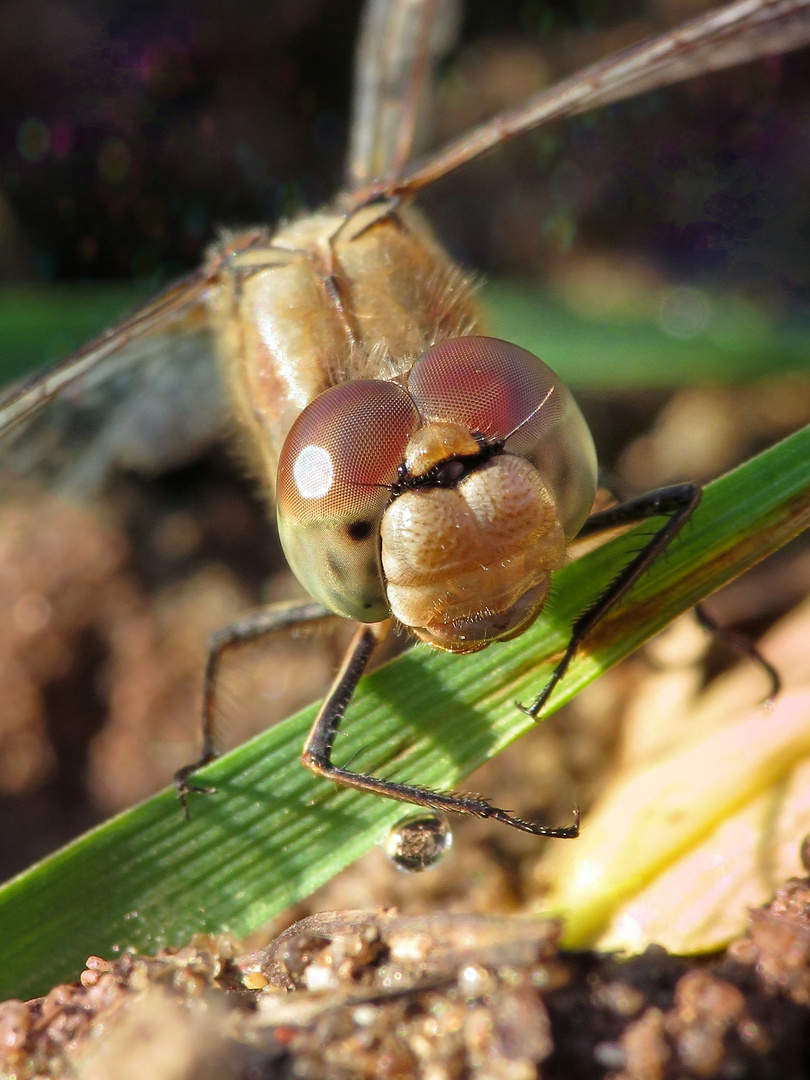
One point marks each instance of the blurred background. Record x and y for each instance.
(656, 254)
(131, 132)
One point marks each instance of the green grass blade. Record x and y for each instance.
(274, 832)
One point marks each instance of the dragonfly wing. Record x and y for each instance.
(400, 42)
(741, 31)
(144, 395)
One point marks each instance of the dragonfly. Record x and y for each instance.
(425, 475)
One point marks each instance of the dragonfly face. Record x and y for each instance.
(445, 499)
(423, 470)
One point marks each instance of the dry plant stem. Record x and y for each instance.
(442, 994)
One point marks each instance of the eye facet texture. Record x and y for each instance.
(335, 473)
(505, 392)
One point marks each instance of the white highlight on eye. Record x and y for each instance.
(314, 472)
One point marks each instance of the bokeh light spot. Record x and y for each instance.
(114, 161)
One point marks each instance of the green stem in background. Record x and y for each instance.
(667, 339)
(614, 350)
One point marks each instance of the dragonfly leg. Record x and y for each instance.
(737, 642)
(677, 503)
(743, 646)
(317, 752)
(256, 625)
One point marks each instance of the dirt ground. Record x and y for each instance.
(362, 994)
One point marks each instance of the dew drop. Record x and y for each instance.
(419, 841)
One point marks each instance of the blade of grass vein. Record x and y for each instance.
(274, 832)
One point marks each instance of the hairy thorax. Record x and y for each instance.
(326, 299)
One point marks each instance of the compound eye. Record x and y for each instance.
(335, 472)
(506, 393)
(489, 386)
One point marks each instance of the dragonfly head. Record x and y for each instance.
(446, 501)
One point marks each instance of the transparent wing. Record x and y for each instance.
(144, 395)
(400, 42)
(745, 30)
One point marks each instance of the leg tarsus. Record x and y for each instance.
(450, 801)
(256, 625)
(744, 647)
(556, 832)
(184, 788)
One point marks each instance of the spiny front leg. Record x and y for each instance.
(317, 752)
(257, 625)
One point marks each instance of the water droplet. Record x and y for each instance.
(419, 841)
